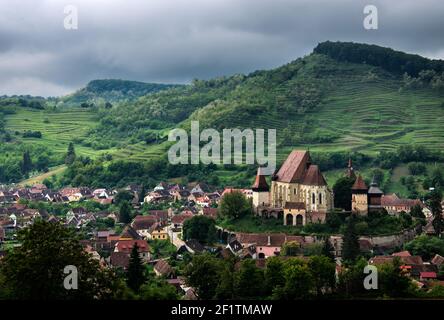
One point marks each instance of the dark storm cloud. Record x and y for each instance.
(178, 40)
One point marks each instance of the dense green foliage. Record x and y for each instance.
(377, 223)
(99, 92)
(35, 270)
(389, 59)
(292, 278)
(201, 228)
(234, 205)
(350, 241)
(135, 273)
(342, 192)
(425, 246)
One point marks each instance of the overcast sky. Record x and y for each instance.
(174, 41)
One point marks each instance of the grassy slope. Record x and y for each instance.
(368, 114)
(59, 129)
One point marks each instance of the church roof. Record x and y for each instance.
(359, 184)
(294, 168)
(314, 177)
(260, 184)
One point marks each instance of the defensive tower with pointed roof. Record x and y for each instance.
(261, 191)
(359, 197)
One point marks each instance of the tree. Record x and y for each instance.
(323, 270)
(125, 212)
(201, 228)
(48, 183)
(328, 249)
(299, 282)
(234, 205)
(123, 195)
(425, 246)
(70, 155)
(203, 274)
(135, 274)
(436, 208)
(225, 288)
(249, 281)
(26, 164)
(291, 248)
(417, 212)
(351, 279)
(391, 280)
(437, 179)
(35, 270)
(142, 192)
(158, 289)
(342, 191)
(350, 241)
(274, 276)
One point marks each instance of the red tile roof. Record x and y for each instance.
(431, 275)
(393, 200)
(127, 245)
(359, 184)
(181, 218)
(294, 167)
(163, 267)
(438, 260)
(402, 254)
(260, 184)
(314, 177)
(143, 222)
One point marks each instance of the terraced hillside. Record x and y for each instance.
(323, 102)
(57, 128)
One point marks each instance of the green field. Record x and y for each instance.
(62, 127)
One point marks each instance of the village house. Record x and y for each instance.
(157, 232)
(128, 233)
(76, 194)
(126, 246)
(163, 269)
(267, 245)
(248, 193)
(413, 266)
(178, 219)
(157, 196)
(142, 225)
(161, 215)
(210, 212)
(56, 197)
(395, 205)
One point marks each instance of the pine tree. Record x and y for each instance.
(26, 164)
(70, 155)
(436, 208)
(350, 241)
(328, 249)
(142, 193)
(135, 273)
(125, 212)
